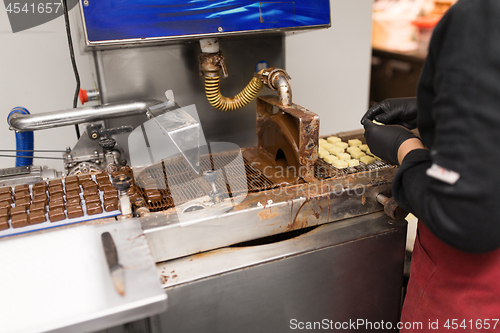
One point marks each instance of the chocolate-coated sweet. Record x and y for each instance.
(23, 202)
(4, 213)
(94, 208)
(37, 206)
(90, 191)
(56, 197)
(72, 194)
(55, 182)
(17, 210)
(73, 201)
(19, 220)
(110, 205)
(70, 179)
(5, 190)
(89, 184)
(56, 205)
(20, 188)
(92, 198)
(41, 198)
(102, 175)
(72, 187)
(153, 195)
(6, 197)
(38, 191)
(57, 215)
(75, 211)
(5, 205)
(110, 194)
(56, 189)
(4, 223)
(36, 217)
(103, 183)
(40, 186)
(84, 177)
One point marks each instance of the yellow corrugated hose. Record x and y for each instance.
(220, 102)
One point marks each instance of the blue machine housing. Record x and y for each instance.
(109, 22)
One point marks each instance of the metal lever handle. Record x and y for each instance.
(391, 208)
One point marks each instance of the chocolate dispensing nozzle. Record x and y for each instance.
(122, 184)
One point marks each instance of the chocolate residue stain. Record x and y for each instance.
(267, 215)
(298, 223)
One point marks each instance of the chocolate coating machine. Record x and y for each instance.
(281, 237)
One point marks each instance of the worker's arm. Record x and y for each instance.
(459, 121)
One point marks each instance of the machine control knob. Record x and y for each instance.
(122, 182)
(107, 143)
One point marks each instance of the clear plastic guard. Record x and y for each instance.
(168, 133)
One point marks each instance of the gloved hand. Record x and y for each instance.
(385, 140)
(394, 111)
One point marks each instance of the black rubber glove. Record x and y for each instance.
(385, 140)
(394, 111)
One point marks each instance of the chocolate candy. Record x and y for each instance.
(40, 198)
(19, 220)
(40, 206)
(102, 175)
(4, 223)
(56, 205)
(6, 197)
(89, 185)
(73, 202)
(42, 186)
(17, 210)
(92, 198)
(5, 205)
(56, 189)
(21, 188)
(103, 183)
(110, 205)
(55, 182)
(23, 202)
(5, 190)
(84, 177)
(75, 211)
(36, 217)
(110, 195)
(56, 197)
(71, 179)
(72, 187)
(72, 194)
(56, 214)
(153, 195)
(4, 213)
(21, 194)
(38, 191)
(94, 208)
(90, 191)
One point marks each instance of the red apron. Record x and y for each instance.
(450, 290)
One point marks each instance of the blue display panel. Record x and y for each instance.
(112, 20)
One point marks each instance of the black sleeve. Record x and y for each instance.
(459, 120)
